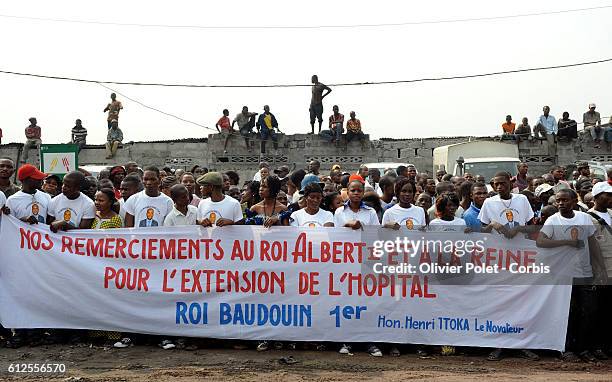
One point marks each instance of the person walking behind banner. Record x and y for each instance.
(266, 125)
(105, 216)
(149, 207)
(354, 214)
(316, 102)
(113, 139)
(508, 214)
(601, 216)
(217, 210)
(33, 139)
(404, 214)
(269, 212)
(71, 209)
(113, 108)
(79, 135)
(575, 229)
(224, 127)
(29, 205)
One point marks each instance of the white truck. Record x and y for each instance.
(477, 157)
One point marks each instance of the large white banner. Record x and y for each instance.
(284, 283)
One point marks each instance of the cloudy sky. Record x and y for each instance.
(276, 56)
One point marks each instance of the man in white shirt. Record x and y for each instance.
(505, 212)
(508, 214)
(575, 229)
(71, 209)
(183, 213)
(219, 210)
(29, 205)
(149, 207)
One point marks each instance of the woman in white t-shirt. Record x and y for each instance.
(354, 213)
(312, 215)
(404, 214)
(446, 221)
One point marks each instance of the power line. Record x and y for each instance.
(307, 85)
(407, 23)
(155, 109)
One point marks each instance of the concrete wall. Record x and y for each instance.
(297, 150)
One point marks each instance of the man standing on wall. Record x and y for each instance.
(316, 102)
(113, 109)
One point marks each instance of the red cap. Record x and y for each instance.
(28, 171)
(356, 177)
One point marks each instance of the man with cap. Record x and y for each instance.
(32, 133)
(282, 172)
(29, 205)
(217, 210)
(592, 122)
(7, 169)
(544, 191)
(602, 219)
(113, 139)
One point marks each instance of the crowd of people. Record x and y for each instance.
(529, 205)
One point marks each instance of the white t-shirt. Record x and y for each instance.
(439, 225)
(72, 211)
(366, 215)
(301, 218)
(24, 205)
(411, 217)
(228, 208)
(3, 199)
(510, 213)
(385, 205)
(580, 227)
(122, 209)
(148, 211)
(604, 215)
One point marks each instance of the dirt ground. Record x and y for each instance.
(148, 363)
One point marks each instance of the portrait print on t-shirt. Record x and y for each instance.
(509, 215)
(67, 215)
(35, 208)
(150, 221)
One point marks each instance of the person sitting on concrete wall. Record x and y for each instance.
(113, 139)
(353, 130)
(246, 122)
(546, 128)
(592, 123)
(567, 128)
(33, 140)
(79, 135)
(336, 127)
(523, 130)
(508, 128)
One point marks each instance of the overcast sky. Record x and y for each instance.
(255, 56)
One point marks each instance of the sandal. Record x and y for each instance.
(289, 360)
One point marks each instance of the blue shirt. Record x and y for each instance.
(471, 218)
(549, 123)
